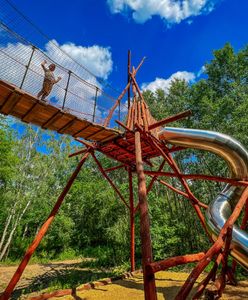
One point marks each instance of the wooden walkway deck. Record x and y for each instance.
(27, 108)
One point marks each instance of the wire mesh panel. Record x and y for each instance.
(78, 92)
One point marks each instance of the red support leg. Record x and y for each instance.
(213, 250)
(108, 179)
(14, 280)
(154, 178)
(243, 226)
(149, 279)
(132, 226)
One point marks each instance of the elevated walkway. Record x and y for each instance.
(27, 108)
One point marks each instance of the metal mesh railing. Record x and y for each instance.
(78, 92)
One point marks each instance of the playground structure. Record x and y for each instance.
(139, 139)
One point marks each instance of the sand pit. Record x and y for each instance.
(168, 284)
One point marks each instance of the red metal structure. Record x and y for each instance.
(133, 148)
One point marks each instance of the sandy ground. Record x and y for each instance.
(168, 283)
(33, 271)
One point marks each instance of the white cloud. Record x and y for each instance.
(95, 58)
(164, 84)
(172, 11)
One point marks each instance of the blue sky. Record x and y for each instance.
(173, 40)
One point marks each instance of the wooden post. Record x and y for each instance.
(132, 225)
(66, 89)
(94, 112)
(146, 247)
(18, 273)
(27, 67)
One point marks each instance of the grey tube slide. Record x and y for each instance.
(221, 207)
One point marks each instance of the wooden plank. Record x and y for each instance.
(29, 109)
(90, 131)
(94, 133)
(68, 125)
(60, 122)
(78, 134)
(76, 126)
(50, 121)
(4, 94)
(10, 103)
(23, 106)
(44, 112)
(102, 135)
(28, 116)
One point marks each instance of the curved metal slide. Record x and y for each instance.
(220, 208)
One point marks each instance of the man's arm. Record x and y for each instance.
(57, 80)
(43, 65)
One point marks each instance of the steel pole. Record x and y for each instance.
(27, 66)
(66, 89)
(94, 112)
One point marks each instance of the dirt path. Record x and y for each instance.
(54, 275)
(37, 277)
(167, 283)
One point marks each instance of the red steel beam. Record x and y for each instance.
(146, 245)
(123, 125)
(108, 179)
(199, 176)
(215, 249)
(174, 118)
(155, 177)
(224, 271)
(194, 201)
(77, 152)
(107, 120)
(174, 261)
(243, 226)
(203, 205)
(132, 224)
(206, 280)
(14, 280)
(85, 143)
(114, 168)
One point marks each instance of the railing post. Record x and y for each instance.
(27, 66)
(94, 112)
(66, 88)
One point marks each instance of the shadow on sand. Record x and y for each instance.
(63, 276)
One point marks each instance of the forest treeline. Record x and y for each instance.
(93, 221)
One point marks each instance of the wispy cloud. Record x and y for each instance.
(171, 11)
